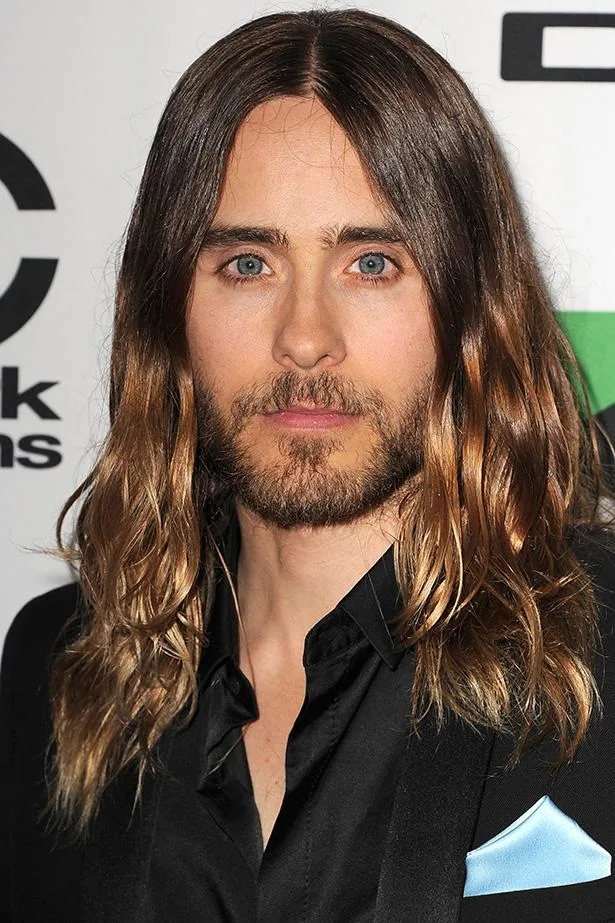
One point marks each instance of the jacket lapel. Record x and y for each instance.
(434, 814)
(117, 854)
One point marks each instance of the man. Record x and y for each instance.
(344, 620)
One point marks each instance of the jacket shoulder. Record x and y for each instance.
(39, 628)
(37, 872)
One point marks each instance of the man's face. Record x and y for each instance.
(308, 328)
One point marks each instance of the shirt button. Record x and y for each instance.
(234, 685)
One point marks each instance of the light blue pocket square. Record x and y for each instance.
(544, 848)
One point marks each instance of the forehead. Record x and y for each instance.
(301, 126)
(292, 163)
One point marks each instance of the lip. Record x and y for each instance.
(302, 417)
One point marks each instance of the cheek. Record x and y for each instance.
(223, 354)
(401, 352)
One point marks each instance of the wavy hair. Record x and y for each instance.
(500, 611)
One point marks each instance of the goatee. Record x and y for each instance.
(304, 487)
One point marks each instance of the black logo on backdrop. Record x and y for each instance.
(18, 304)
(522, 46)
(36, 451)
(33, 279)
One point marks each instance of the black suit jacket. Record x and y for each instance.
(453, 796)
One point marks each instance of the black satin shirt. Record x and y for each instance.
(322, 861)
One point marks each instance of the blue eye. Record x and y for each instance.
(372, 264)
(249, 265)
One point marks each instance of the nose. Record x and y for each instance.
(308, 333)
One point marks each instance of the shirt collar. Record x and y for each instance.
(372, 605)
(222, 640)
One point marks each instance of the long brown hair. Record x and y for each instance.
(500, 611)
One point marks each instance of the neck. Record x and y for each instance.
(289, 578)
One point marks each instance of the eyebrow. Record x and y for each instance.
(223, 235)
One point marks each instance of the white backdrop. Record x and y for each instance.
(81, 89)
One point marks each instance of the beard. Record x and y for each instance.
(304, 487)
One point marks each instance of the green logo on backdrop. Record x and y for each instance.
(592, 335)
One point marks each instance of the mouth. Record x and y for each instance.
(309, 416)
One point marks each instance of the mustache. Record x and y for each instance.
(290, 388)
